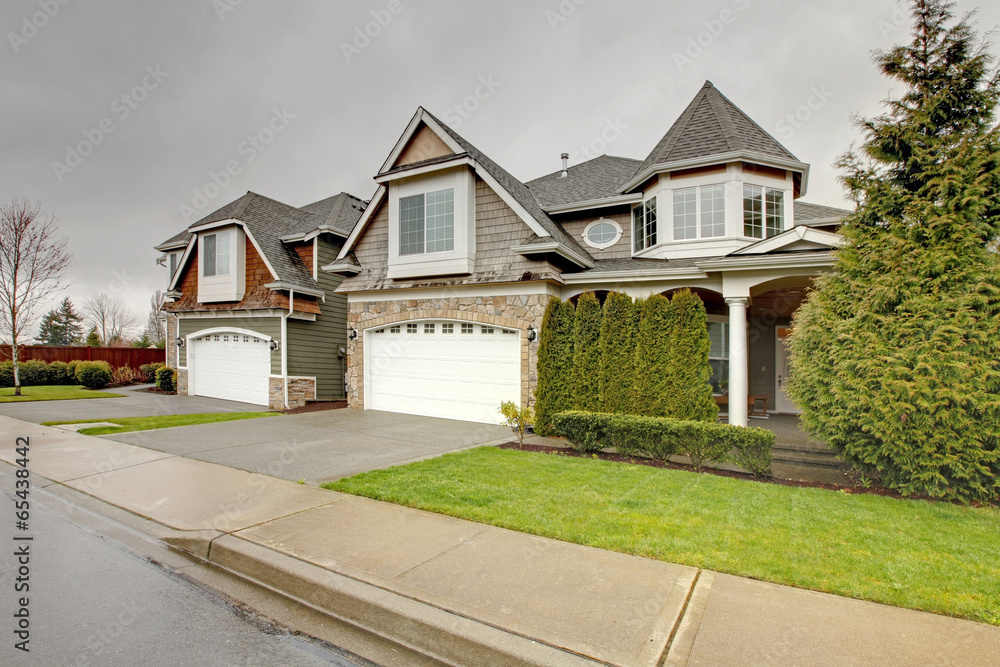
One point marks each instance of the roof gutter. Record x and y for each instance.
(733, 156)
(281, 285)
(587, 204)
(752, 263)
(554, 247)
(635, 276)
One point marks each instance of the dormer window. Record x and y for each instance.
(216, 252)
(644, 225)
(427, 223)
(763, 212)
(699, 212)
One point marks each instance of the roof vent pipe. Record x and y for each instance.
(565, 169)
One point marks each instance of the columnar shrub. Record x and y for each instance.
(617, 370)
(587, 353)
(93, 374)
(554, 392)
(166, 379)
(689, 392)
(653, 382)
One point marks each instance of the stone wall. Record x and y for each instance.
(182, 382)
(300, 390)
(511, 312)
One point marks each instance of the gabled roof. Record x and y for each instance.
(340, 213)
(798, 238)
(712, 125)
(595, 179)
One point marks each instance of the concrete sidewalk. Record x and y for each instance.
(466, 593)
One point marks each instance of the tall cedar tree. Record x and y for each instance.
(587, 353)
(896, 351)
(617, 369)
(554, 392)
(653, 384)
(689, 390)
(61, 326)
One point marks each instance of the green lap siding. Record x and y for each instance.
(266, 327)
(313, 346)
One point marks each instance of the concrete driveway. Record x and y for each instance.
(320, 446)
(134, 403)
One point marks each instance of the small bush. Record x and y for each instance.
(93, 374)
(57, 373)
(661, 437)
(517, 418)
(71, 371)
(166, 379)
(33, 373)
(123, 375)
(148, 371)
(7, 374)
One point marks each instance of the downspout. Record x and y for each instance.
(284, 343)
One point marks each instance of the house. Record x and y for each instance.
(450, 267)
(250, 315)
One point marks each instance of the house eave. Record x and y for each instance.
(398, 174)
(634, 276)
(553, 247)
(720, 158)
(343, 268)
(298, 289)
(591, 204)
(167, 247)
(754, 263)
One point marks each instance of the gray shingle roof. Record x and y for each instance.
(518, 190)
(712, 125)
(176, 240)
(598, 178)
(340, 212)
(810, 214)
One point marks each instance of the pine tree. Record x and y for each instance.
(587, 353)
(896, 351)
(50, 331)
(554, 391)
(652, 357)
(689, 390)
(618, 332)
(61, 326)
(93, 338)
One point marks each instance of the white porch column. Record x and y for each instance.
(738, 362)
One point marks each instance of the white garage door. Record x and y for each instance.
(232, 366)
(454, 370)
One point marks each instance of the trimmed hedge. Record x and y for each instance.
(555, 364)
(166, 379)
(689, 390)
(93, 374)
(33, 373)
(59, 373)
(587, 353)
(618, 331)
(661, 437)
(653, 379)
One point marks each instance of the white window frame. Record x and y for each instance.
(642, 239)
(699, 212)
(606, 244)
(725, 345)
(230, 286)
(458, 261)
(424, 215)
(221, 240)
(766, 230)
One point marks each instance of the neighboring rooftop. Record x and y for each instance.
(340, 212)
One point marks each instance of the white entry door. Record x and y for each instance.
(454, 370)
(231, 365)
(783, 371)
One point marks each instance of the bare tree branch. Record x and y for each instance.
(110, 316)
(33, 259)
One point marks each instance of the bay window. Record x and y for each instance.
(763, 211)
(700, 212)
(644, 225)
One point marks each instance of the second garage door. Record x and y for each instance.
(233, 366)
(455, 370)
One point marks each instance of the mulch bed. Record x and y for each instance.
(670, 465)
(318, 406)
(157, 390)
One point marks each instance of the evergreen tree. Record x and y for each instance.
(896, 351)
(652, 357)
(61, 326)
(143, 341)
(587, 354)
(554, 392)
(93, 338)
(617, 370)
(689, 390)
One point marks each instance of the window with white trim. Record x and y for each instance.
(644, 225)
(215, 248)
(427, 222)
(763, 211)
(700, 212)
(718, 354)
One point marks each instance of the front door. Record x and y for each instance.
(783, 372)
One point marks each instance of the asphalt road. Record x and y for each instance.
(92, 602)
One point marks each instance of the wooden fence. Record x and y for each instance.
(132, 357)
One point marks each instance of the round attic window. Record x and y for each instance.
(602, 233)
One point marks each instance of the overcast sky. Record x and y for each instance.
(116, 114)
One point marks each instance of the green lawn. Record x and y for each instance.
(910, 553)
(52, 393)
(168, 421)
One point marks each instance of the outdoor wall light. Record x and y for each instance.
(273, 344)
(531, 334)
(179, 342)
(352, 334)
